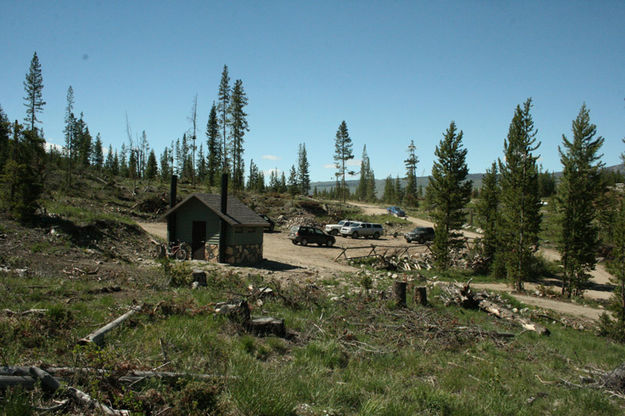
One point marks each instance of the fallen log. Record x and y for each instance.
(504, 313)
(25, 381)
(464, 296)
(97, 337)
(48, 383)
(86, 400)
(132, 376)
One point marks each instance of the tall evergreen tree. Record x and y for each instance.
(98, 154)
(488, 213)
(579, 187)
(108, 164)
(70, 132)
(252, 179)
(165, 164)
(201, 165)
(448, 191)
(238, 128)
(398, 192)
(5, 134)
(33, 86)
(193, 119)
(303, 175)
(223, 103)
(342, 154)
(410, 193)
(389, 191)
(22, 179)
(363, 182)
(151, 169)
(292, 185)
(520, 202)
(214, 149)
(83, 141)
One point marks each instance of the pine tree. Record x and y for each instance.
(488, 213)
(579, 187)
(448, 191)
(108, 165)
(165, 165)
(274, 183)
(282, 184)
(201, 165)
(363, 182)
(223, 103)
(22, 178)
(151, 169)
(410, 193)
(342, 154)
(5, 134)
(292, 185)
(238, 128)
(398, 191)
(214, 149)
(116, 167)
(252, 179)
(98, 155)
(70, 130)
(33, 85)
(193, 119)
(615, 325)
(520, 202)
(389, 191)
(303, 175)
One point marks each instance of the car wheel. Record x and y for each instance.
(330, 243)
(334, 232)
(376, 235)
(294, 242)
(355, 234)
(304, 242)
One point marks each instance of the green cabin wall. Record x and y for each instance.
(194, 210)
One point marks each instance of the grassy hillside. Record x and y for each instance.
(348, 351)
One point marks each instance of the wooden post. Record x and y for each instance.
(420, 296)
(399, 289)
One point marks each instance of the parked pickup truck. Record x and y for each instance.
(357, 229)
(420, 235)
(335, 229)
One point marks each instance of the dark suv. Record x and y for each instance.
(303, 235)
(420, 235)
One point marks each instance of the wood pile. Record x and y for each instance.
(454, 293)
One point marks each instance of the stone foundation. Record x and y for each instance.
(241, 254)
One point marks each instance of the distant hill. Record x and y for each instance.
(423, 181)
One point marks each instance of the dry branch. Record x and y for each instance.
(97, 337)
(86, 400)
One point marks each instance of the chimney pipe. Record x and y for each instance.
(224, 210)
(172, 191)
(171, 218)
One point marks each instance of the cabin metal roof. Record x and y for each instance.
(237, 213)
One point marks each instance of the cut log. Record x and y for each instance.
(48, 383)
(420, 296)
(131, 376)
(97, 337)
(267, 326)
(504, 313)
(399, 290)
(9, 381)
(86, 400)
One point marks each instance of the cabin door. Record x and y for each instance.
(198, 238)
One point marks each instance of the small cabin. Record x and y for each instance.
(228, 234)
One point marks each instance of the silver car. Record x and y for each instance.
(358, 229)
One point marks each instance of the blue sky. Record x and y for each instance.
(395, 71)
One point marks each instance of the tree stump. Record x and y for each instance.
(199, 276)
(420, 296)
(267, 326)
(399, 290)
